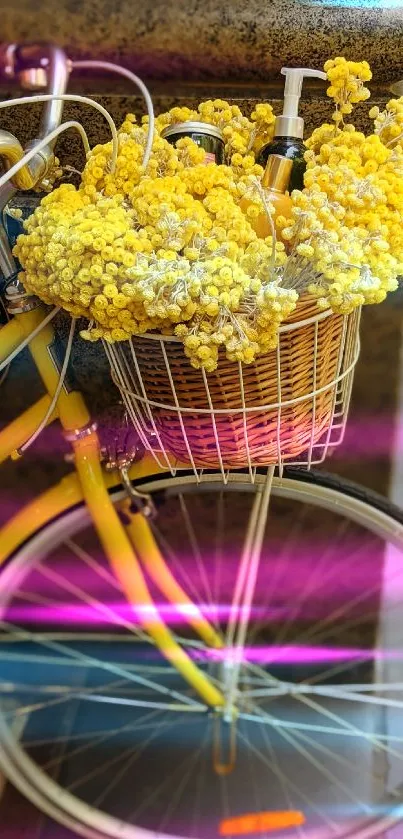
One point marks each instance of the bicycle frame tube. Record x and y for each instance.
(127, 569)
(71, 408)
(39, 512)
(18, 431)
(10, 336)
(91, 485)
(52, 503)
(74, 415)
(143, 541)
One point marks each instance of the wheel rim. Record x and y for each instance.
(103, 824)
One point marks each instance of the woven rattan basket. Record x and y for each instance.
(241, 415)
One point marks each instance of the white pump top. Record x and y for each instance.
(290, 124)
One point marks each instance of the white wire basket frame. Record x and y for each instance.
(151, 412)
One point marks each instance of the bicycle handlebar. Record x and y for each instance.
(35, 67)
(38, 66)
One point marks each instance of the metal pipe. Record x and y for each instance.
(8, 265)
(58, 70)
(6, 194)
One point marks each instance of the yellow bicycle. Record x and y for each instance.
(174, 660)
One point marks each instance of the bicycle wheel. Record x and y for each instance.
(104, 736)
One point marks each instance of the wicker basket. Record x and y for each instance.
(271, 411)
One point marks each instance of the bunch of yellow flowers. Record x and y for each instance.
(169, 249)
(347, 221)
(347, 84)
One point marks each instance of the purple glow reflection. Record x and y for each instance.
(112, 614)
(369, 435)
(319, 575)
(294, 654)
(70, 615)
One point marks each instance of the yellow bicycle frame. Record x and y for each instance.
(127, 547)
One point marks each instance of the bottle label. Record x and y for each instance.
(209, 158)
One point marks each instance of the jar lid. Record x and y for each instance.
(192, 128)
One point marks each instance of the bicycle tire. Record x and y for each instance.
(327, 486)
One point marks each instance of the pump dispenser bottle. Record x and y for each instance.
(289, 127)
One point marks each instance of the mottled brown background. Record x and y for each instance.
(242, 40)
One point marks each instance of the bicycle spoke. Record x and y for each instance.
(53, 660)
(92, 563)
(32, 597)
(63, 738)
(141, 703)
(275, 722)
(131, 759)
(201, 780)
(189, 585)
(105, 736)
(362, 686)
(72, 588)
(278, 773)
(178, 794)
(198, 559)
(242, 573)
(112, 668)
(374, 740)
(314, 743)
(345, 692)
(67, 693)
(24, 710)
(113, 760)
(344, 667)
(349, 695)
(218, 548)
(310, 583)
(120, 775)
(282, 558)
(341, 611)
(256, 799)
(25, 687)
(245, 587)
(145, 802)
(322, 769)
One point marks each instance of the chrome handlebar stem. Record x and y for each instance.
(36, 67)
(57, 71)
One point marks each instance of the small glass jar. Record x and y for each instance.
(206, 136)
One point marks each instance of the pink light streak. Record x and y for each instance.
(82, 614)
(294, 654)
